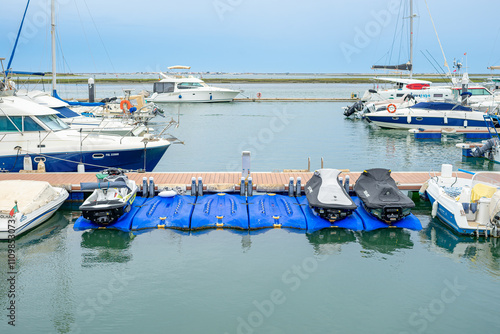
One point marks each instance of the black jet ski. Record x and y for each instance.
(381, 197)
(327, 197)
(112, 197)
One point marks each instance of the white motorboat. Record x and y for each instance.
(177, 88)
(31, 133)
(26, 204)
(467, 205)
(429, 116)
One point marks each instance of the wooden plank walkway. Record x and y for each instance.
(406, 180)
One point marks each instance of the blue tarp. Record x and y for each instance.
(440, 106)
(65, 112)
(165, 212)
(271, 210)
(220, 211)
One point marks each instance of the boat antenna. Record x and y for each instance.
(439, 41)
(53, 35)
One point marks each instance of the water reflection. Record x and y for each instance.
(386, 240)
(483, 253)
(329, 241)
(104, 246)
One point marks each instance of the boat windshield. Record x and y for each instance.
(189, 85)
(53, 122)
(488, 178)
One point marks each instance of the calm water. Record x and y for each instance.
(278, 281)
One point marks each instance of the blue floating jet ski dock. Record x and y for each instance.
(237, 211)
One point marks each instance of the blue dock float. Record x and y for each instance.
(165, 212)
(371, 222)
(275, 211)
(316, 223)
(220, 211)
(123, 223)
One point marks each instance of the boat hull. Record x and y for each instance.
(20, 224)
(94, 161)
(195, 97)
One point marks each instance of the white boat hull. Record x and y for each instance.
(10, 227)
(194, 96)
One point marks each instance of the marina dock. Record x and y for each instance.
(214, 181)
(283, 99)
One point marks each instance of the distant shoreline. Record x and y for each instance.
(355, 80)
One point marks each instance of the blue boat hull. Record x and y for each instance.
(94, 161)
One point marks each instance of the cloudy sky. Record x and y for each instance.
(315, 36)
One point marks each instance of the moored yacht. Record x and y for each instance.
(178, 88)
(31, 134)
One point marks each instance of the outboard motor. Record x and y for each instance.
(356, 107)
(478, 152)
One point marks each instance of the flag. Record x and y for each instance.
(465, 54)
(14, 210)
(454, 70)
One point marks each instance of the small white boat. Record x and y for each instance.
(26, 204)
(469, 206)
(177, 88)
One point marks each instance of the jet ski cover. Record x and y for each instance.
(377, 189)
(324, 190)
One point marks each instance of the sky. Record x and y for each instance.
(264, 36)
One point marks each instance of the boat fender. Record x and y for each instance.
(434, 209)
(167, 193)
(445, 118)
(298, 188)
(151, 189)
(408, 119)
(127, 102)
(391, 108)
(145, 187)
(193, 186)
(346, 183)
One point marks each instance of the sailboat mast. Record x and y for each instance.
(411, 38)
(53, 35)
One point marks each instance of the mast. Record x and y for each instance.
(53, 35)
(411, 38)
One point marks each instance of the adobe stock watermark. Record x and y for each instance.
(223, 6)
(265, 136)
(93, 305)
(40, 20)
(292, 279)
(420, 320)
(372, 28)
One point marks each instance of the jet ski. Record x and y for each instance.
(381, 197)
(327, 197)
(113, 196)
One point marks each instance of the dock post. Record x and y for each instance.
(298, 188)
(151, 191)
(309, 164)
(193, 186)
(249, 187)
(242, 186)
(91, 90)
(322, 162)
(200, 186)
(145, 187)
(290, 187)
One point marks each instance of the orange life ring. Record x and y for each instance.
(391, 108)
(127, 102)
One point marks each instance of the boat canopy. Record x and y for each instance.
(403, 67)
(179, 67)
(440, 106)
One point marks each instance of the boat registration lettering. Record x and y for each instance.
(112, 154)
(11, 224)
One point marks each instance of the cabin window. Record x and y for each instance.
(7, 125)
(399, 95)
(31, 125)
(163, 87)
(189, 85)
(438, 95)
(53, 123)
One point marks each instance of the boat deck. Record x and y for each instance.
(411, 181)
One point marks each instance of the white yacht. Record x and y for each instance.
(31, 134)
(178, 88)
